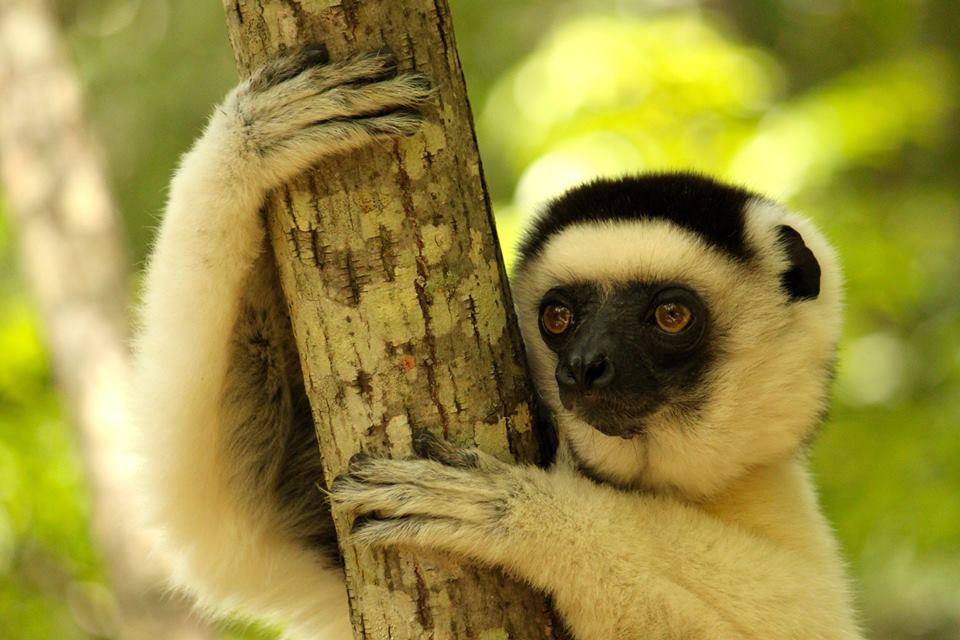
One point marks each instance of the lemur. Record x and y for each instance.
(680, 332)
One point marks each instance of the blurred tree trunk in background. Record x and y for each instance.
(400, 307)
(72, 256)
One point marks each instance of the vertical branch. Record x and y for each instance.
(400, 308)
(72, 256)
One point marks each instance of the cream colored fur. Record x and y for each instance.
(230, 542)
(707, 529)
(768, 390)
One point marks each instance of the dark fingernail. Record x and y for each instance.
(359, 522)
(315, 53)
(422, 82)
(339, 481)
(421, 439)
(358, 459)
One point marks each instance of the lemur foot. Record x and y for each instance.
(298, 108)
(458, 500)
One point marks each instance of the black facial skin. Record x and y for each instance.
(616, 365)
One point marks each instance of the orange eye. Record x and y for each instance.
(673, 317)
(556, 318)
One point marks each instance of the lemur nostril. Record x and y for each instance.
(585, 374)
(599, 373)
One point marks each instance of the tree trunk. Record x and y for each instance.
(72, 256)
(400, 307)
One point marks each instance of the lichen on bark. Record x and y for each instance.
(400, 308)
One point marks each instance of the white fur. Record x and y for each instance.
(759, 408)
(718, 534)
(721, 537)
(758, 563)
(229, 544)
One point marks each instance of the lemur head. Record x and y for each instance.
(682, 331)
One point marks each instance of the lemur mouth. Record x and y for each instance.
(571, 400)
(626, 432)
(598, 416)
(607, 414)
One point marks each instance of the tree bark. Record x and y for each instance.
(400, 308)
(72, 256)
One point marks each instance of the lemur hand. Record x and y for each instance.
(298, 108)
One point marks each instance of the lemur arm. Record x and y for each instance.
(618, 564)
(229, 461)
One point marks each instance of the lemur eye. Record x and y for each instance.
(556, 318)
(673, 317)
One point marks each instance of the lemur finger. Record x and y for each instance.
(364, 68)
(286, 67)
(311, 65)
(294, 151)
(397, 500)
(404, 122)
(355, 72)
(357, 461)
(436, 533)
(421, 473)
(339, 134)
(429, 446)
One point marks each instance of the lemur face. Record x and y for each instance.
(680, 330)
(625, 350)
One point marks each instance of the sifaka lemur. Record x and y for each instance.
(681, 334)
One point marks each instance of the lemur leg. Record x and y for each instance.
(229, 462)
(618, 564)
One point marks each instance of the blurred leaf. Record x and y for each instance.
(865, 116)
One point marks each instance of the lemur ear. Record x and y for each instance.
(801, 280)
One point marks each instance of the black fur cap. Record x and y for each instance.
(710, 209)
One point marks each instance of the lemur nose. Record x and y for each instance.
(595, 371)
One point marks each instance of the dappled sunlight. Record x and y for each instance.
(573, 161)
(863, 117)
(681, 94)
(606, 96)
(640, 78)
(846, 111)
(873, 369)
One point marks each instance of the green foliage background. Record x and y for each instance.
(845, 109)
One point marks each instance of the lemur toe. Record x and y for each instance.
(357, 461)
(376, 65)
(368, 531)
(427, 445)
(289, 66)
(402, 123)
(358, 70)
